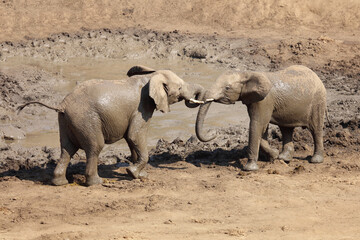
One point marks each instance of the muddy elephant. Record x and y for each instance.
(293, 97)
(99, 112)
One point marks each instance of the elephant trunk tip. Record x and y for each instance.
(194, 96)
(211, 134)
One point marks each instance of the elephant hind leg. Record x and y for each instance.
(91, 172)
(68, 149)
(318, 156)
(316, 128)
(88, 133)
(92, 142)
(288, 145)
(265, 146)
(92, 151)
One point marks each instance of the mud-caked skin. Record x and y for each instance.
(293, 97)
(102, 112)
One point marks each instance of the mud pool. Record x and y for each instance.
(177, 123)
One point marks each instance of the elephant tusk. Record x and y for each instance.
(196, 101)
(209, 100)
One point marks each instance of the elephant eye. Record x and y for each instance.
(227, 87)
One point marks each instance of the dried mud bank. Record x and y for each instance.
(336, 62)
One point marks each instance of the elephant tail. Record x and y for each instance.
(19, 108)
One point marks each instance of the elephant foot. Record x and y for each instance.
(286, 156)
(317, 158)
(251, 165)
(58, 181)
(274, 154)
(136, 173)
(93, 180)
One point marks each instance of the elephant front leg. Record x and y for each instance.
(259, 120)
(139, 155)
(265, 146)
(254, 144)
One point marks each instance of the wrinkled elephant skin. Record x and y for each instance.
(100, 112)
(293, 97)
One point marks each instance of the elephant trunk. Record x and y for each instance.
(194, 91)
(200, 133)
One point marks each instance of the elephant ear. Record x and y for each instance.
(255, 88)
(139, 70)
(158, 92)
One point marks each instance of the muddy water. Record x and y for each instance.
(179, 122)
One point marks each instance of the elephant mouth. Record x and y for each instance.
(180, 98)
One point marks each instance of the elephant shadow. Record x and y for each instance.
(235, 157)
(218, 156)
(162, 160)
(75, 173)
(36, 174)
(200, 158)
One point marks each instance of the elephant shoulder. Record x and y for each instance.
(299, 70)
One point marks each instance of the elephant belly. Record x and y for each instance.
(287, 123)
(114, 124)
(114, 132)
(291, 115)
(115, 112)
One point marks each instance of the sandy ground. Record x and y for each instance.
(195, 190)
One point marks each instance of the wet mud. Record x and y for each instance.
(25, 81)
(213, 166)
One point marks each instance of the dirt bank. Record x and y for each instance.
(21, 20)
(195, 190)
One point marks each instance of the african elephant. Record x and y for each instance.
(289, 98)
(99, 112)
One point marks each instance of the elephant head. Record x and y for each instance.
(248, 87)
(166, 88)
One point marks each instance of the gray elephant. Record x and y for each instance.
(293, 97)
(100, 112)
